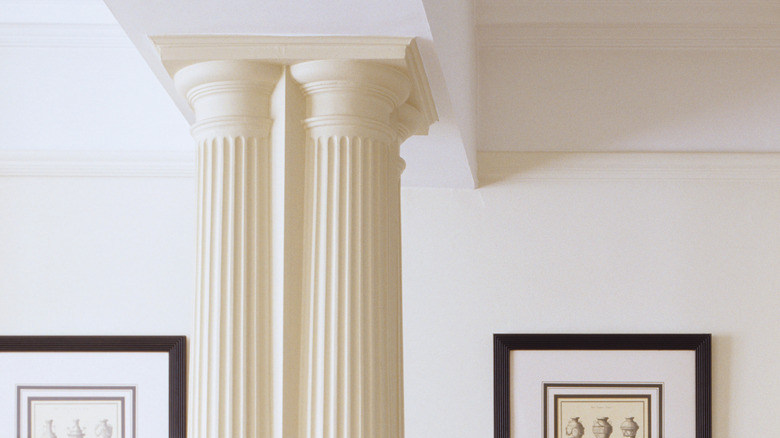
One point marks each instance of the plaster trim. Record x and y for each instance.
(60, 35)
(615, 36)
(562, 166)
(607, 166)
(148, 164)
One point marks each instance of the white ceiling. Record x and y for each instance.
(507, 75)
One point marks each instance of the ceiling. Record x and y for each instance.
(84, 86)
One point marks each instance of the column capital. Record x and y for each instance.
(350, 97)
(228, 96)
(385, 80)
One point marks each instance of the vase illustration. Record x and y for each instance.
(76, 430)
(48, 429)
(602, 427)
(629, 427)
(103, 429)
(575, 429)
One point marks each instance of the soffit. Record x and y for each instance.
(68, 54)
(442, 152)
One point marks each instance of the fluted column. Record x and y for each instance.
(231, 379)
(351, 373)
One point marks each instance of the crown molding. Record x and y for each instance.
(60, 35)
(178, 51)
(97, 164)
(562, 166)
(55, 11)
(696, 3)
(651, 36)
(754, 12)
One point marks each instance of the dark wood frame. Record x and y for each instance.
(175, 346)
(503, 344)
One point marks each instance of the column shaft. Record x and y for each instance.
(352, 294)
(231, 371)
(352, 378)
(231, 355)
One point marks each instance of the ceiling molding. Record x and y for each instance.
(744, 12)
(563, 166)
(651, 36)
(633, 3)
(97, 164)
(48, 35)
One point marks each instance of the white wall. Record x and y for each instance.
(586, 253)
(97, 256)
(530, 251)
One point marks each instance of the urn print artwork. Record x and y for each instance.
(76, 411)
(604, 415)
(602, 428)
(102, 430)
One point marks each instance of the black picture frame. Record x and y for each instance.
(174, 346)
(504, 344)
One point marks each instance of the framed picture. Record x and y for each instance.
(83, 386)
(602, 386)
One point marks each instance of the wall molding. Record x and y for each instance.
(493, 166)
(615, 36)
(63, 35)
(98, 164)
(627, 166)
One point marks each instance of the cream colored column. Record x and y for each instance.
(351, 376)
(231, 380)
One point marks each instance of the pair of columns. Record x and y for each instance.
(298, 320)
